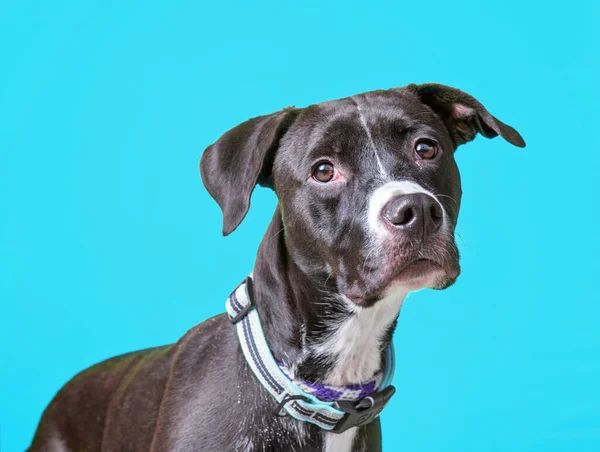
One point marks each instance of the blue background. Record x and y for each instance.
(109, 242)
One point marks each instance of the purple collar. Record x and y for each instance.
(331, 393)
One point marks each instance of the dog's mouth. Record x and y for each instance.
(416, 272)
(413, 275)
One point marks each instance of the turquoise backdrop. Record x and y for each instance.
(109, 242)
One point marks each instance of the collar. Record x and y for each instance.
(332, 408)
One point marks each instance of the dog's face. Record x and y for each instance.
(370, 191)
(368, 186)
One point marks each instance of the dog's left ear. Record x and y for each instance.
(464, 115)
(241, 158)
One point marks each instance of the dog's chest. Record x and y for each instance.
(356, 343)
(340, 442)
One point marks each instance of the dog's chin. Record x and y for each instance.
(416, 275)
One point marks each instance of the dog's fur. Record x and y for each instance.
(329, 280)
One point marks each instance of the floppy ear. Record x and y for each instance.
(463, 115)
(241, 158)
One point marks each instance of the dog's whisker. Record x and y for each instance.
(446, 196)
(277, 233)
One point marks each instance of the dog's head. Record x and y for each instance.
(368, 187)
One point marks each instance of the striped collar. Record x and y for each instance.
(332, 408)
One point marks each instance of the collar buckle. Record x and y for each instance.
(364, 411)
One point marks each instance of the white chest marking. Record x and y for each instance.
(356, 342)
(357, 345)
(340, 442)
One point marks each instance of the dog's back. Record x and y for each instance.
(90, 408)
(85, 412)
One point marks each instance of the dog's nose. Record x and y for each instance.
(417, 214)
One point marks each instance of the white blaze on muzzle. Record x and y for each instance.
(384, 194)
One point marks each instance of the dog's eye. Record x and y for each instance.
(323, 172)
(426, 149)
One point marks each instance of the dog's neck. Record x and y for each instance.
(310, 327)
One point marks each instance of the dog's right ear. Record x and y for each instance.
(241, 158)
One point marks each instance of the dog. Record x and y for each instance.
(368, 198)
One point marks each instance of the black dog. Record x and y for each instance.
(369, 194)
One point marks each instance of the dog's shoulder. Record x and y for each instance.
(133, 386)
